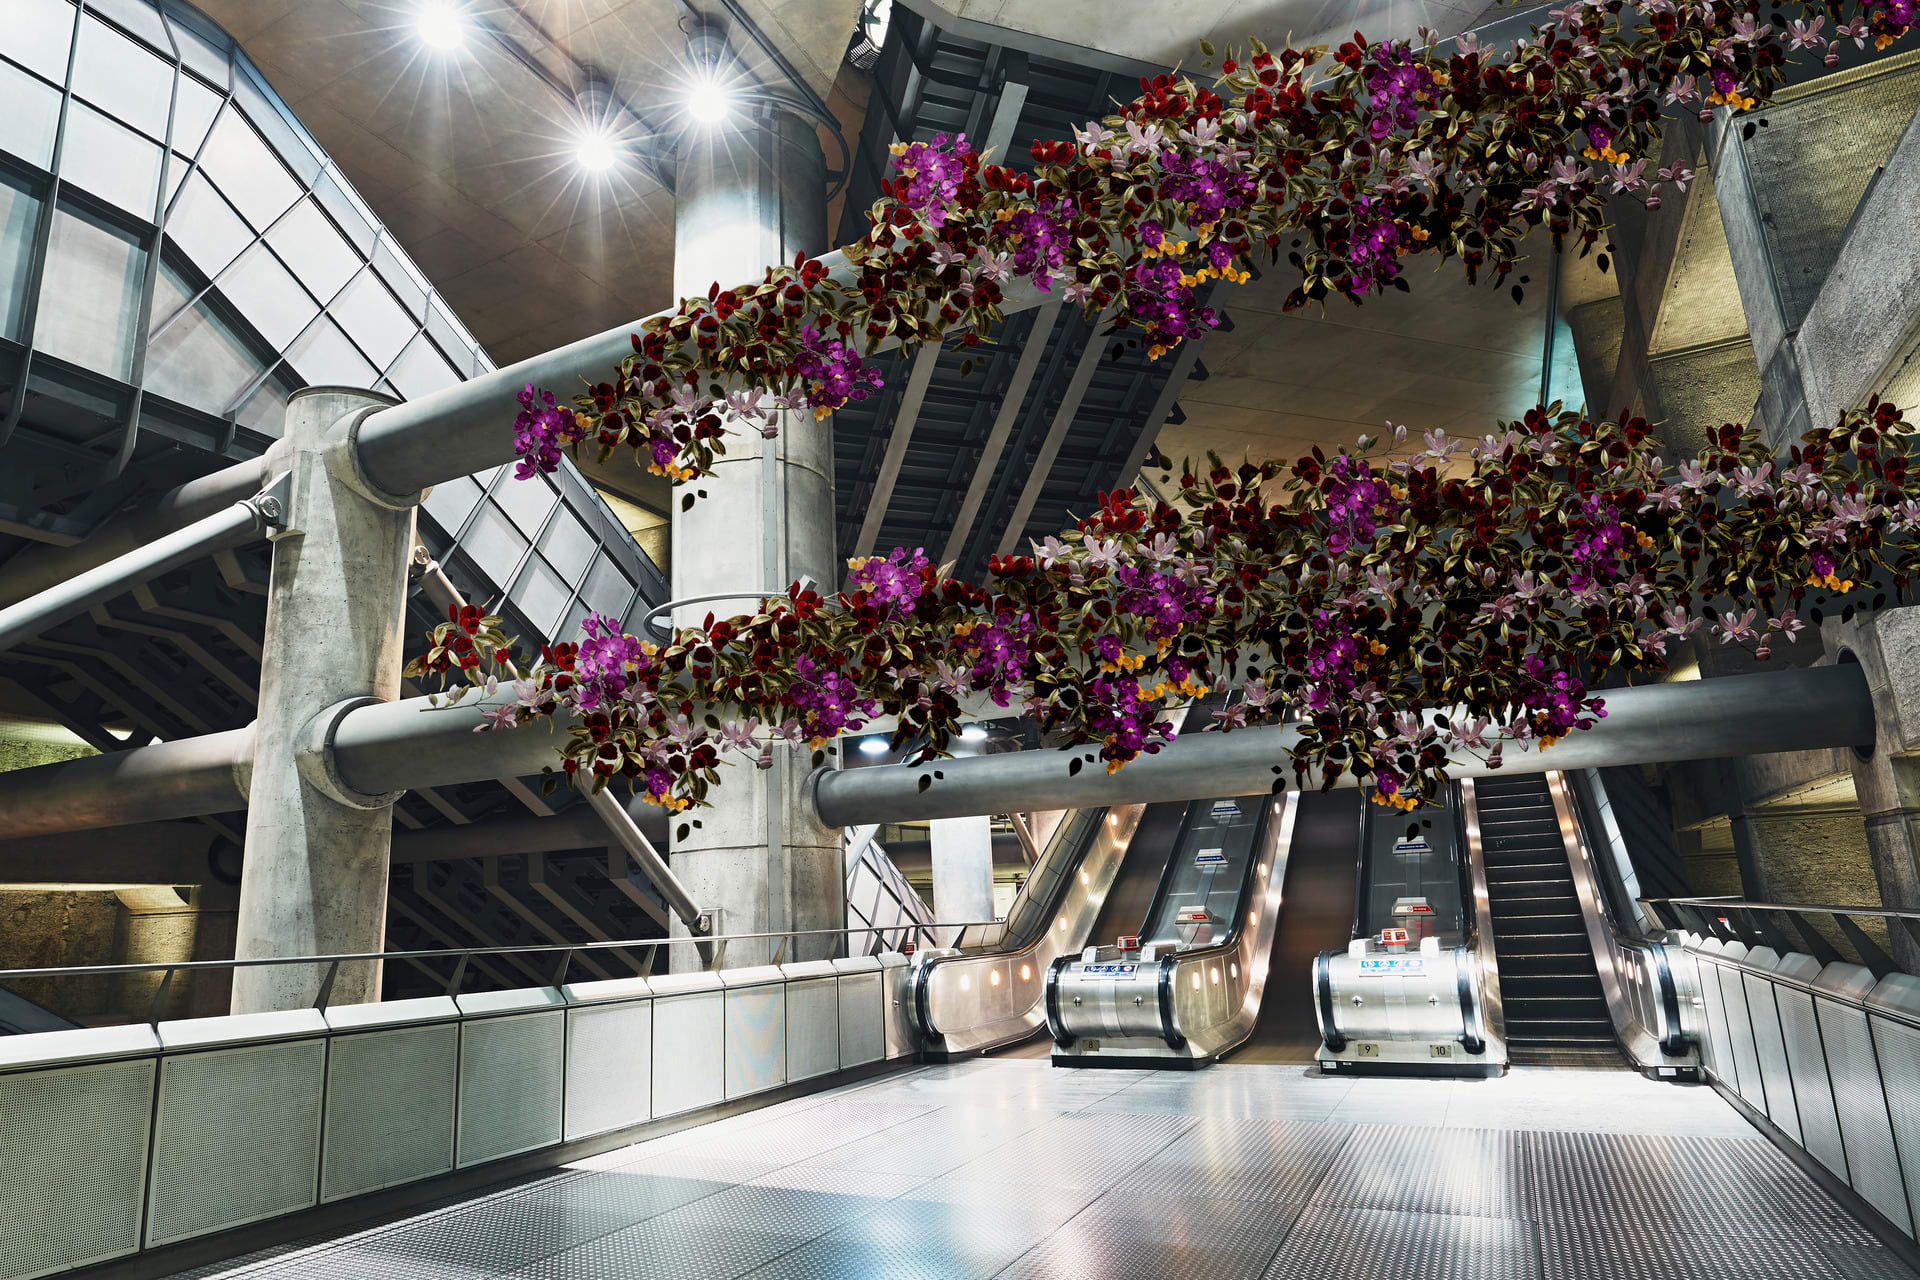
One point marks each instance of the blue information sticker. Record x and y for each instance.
(1121, 969)
(1383, 966)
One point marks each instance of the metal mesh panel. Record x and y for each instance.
(73, 1154)
(237, 1137)
(1717, 1056)
(756, 1039)
(1772, 1052)
(510, 1082)
(1862, 1108)
(1746, 1059)
(389, 1108)
(1813, 1093)
(609, 1067)
(688, 1060)
(813, 1028)
(1899, 1056)
(863, 1034)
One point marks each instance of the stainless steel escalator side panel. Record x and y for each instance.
(1636, 975)
(968, 1002)
(1190, 1007)
(1492, 1012)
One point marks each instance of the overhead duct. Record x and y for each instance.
(1793, 710)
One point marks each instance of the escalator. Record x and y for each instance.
(1317, 901)
(1411, 987)
(1550, 985)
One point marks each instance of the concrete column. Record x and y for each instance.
(315, 878)
(750, 193)
(962, 858)
(1887, 780)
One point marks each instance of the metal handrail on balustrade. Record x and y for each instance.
(924, 934)
(1734, 919)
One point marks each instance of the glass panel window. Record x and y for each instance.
(325, 358)
(196, 359)
(137, 16)
(193, 116)
(541, 594)
(247, 172)
(352, 217)
(113, 162)
(265, 410)
(447, 333)
(527, 501)
(411, 292)
(567, 544)
(370, 315)
(253, 98)
(451, 503)
(123, 79)
(19, 211)
(90, 293)
(307, 242)
(421, 370)
(40, 35)
(495, 545)
(29, 116)
(608, 590)
(202, 54)
(206, 228)
(269, 296)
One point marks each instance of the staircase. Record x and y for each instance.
(1549, 987)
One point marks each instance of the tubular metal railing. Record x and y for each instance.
(1786, 927)
(713, 951)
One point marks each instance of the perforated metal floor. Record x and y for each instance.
(1011, 1168)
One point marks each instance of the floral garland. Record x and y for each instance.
(1372, 590)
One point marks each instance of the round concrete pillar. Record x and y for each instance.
(750, 193)
(315, 876)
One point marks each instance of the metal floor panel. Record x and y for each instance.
(1330, 1243)
(1011, 1168)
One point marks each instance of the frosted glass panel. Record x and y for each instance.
(373, 319)
(205, 226)
(194, 116)
(269, 296)
(89, 294)
(18, 213)
(420, 370)
(110, 160)
(246, 172)
(29, 116)
(197, 359)
(123, 79)
(307, 242)
(40, 35)
(324, 358)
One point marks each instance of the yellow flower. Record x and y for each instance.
(1547, 742)
(820, 411)
(1156, 351)
(1375, 647)
(1113, 767)
(582, 420)
(1418, 233)
(1643, 540)
(898, 148)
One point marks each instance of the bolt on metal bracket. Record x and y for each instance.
(274, 505)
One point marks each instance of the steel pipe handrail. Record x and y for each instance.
(1740, 904)
(461, 953)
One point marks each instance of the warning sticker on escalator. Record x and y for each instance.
(1224, 810)
(1208, 858)
(1413, 848)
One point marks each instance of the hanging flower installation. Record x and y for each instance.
(1490, 578)
(1370, 592)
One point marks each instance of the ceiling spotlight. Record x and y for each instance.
(873, 746)
(596, 153)
(439, 25)
(709, 101)
(973, 733)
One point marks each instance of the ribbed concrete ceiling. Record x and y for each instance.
(467, 155)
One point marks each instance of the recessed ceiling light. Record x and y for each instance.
(439, 25)
(709, 101)
(596, 153)
(873, 746)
